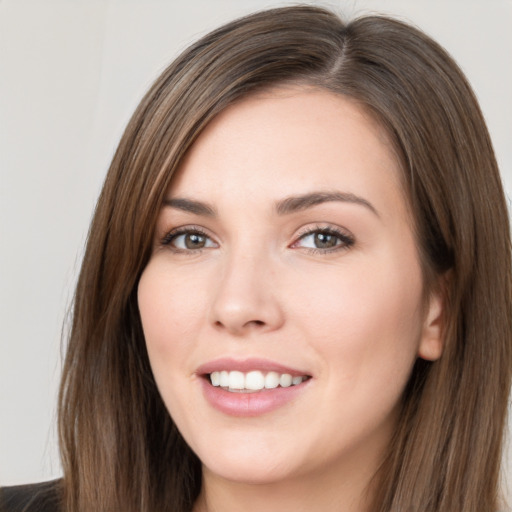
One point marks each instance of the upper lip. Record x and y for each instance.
(247, 365)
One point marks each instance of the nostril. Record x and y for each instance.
(254, 324)
(258, 323)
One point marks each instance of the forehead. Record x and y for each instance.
(285, 140)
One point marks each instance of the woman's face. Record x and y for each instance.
(284, 256)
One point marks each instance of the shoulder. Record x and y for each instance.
(40, 497)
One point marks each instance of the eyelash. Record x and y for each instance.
(185, 230)
(346, 240)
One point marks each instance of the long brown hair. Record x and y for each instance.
(120, 449)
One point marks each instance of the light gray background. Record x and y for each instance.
(71, 73)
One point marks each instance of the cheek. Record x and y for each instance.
(170, 308)
(365, 326)
(366, 318)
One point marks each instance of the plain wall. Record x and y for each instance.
(71, 73)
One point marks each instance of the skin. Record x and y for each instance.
(352, 317)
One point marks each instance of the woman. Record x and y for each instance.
(296, 288)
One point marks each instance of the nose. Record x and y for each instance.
(246, 298)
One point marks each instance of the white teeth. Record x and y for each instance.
(253, 380)
(224, 379)
(236, 380)
(215, 378)
(271, 380)
(286, 380)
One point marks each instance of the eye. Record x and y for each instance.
(188, 240)
(324, 240)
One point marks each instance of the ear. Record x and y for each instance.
(432, 339)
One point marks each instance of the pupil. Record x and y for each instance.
(324, 241)
(194, 241)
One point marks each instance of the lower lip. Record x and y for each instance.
(250, 404)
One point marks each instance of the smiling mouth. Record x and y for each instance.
(253, 381)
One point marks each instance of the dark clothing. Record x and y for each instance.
(41, 497)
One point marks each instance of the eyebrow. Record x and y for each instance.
(303, 202)
(283, 207)
(189, 205)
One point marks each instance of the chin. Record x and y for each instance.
(250, 472)
(250, 466)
